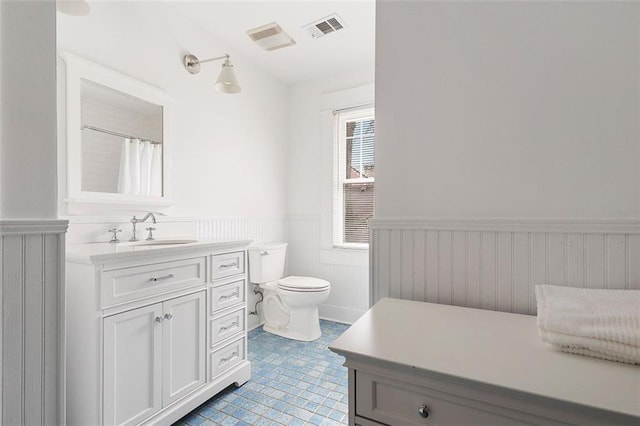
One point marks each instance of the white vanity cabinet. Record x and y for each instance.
(151, 333)
(415, 363)
(153, 356)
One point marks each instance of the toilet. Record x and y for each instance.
(290, 305)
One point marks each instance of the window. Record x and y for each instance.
(354, 176)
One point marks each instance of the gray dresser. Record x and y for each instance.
(416, 363)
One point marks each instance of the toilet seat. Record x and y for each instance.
(303, 284)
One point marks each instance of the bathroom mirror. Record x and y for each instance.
(118, 144)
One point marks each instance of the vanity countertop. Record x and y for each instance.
(92, 253)
(491, 348)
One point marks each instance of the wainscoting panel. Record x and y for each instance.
(31, 298)
(471, 265)
(258, 229)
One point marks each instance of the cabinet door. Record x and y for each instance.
(184, 344)
(132, 365)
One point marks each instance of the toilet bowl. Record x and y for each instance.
(290, 306)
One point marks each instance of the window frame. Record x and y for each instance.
(341, 117)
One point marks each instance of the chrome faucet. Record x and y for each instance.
(135, 220)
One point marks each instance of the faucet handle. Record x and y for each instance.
(114, 237)
(150, 236)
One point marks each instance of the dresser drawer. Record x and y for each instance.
(226, 357)
(226, 326)
(227, 264)
(392, 402)
(227, 295)
(128, 284)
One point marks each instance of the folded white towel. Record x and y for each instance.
(592, 347)
(594, 322)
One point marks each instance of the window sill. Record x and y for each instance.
(345, 256)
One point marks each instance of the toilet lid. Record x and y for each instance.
(303, 284)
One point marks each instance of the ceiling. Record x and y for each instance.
(350, 48)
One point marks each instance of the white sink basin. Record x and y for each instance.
(160, 242)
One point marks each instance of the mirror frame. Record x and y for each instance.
(78, 69)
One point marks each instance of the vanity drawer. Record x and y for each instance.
(227, 264)
(226, 326)
(127, 284)
(227, 295)
(392, 402)
(226, 357)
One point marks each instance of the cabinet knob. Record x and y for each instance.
(168, 316)
(159, 319)
(423, 411)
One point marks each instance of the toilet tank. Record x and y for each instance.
(266, 262)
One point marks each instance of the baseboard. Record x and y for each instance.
(340, 314)
(260, 324)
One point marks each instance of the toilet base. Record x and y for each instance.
(292, 314)
(292, 334)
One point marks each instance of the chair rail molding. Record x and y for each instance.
(626, 226)
(31, 326)
(496, 263)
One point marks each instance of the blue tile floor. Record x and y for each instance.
(292, 383)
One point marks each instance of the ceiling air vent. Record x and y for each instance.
(325, 26)
(271, 37)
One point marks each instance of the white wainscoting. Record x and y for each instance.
(256, 229)
(31, 332)
(495, 264)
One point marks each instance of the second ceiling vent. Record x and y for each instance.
(330, 24)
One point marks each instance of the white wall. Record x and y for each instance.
(309, 191)
(234, 173)
(27, 110)
(229, 151)
(508, 110)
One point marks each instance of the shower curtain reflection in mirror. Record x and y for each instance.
(140, 170)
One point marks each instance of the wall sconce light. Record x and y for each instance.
(226, 83)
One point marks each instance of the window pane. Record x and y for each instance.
(358, 208)
(360, 149)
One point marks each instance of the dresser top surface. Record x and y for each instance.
(489, 347)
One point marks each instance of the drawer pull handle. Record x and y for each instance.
(168, 316)
(230, 357)
(228, 265)
(164, 277)
(228, 296)
(423, 411)
(159, 319)
(264, 253)
(227, 327)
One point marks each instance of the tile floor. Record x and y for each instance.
(292, 383)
